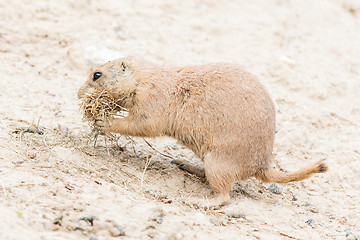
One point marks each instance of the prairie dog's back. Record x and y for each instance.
(227, 109)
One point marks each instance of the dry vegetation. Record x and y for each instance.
(100, 105)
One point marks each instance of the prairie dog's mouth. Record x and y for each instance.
(101, 104)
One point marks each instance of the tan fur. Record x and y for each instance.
(219, 111)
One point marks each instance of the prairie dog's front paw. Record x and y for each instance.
(103, 124)
(100, 123)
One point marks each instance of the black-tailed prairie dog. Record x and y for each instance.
(219, 111)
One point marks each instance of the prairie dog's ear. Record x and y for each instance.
(125, 73)
(125, 68)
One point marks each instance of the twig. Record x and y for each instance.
(163, 154)
(38, 123)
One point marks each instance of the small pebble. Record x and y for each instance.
(83, 226)
(294, 198)
(58, 220)
(79, 229)
(275, 188)
(233, 214)
(159, 219)
(90, 219)
(121, 229)
(310, 221)
(166, 201)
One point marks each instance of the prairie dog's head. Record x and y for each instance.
(116, 77)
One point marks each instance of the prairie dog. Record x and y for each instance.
(219, 111)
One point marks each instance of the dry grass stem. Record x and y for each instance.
(147, 164)
(163, 154)
(4, 190)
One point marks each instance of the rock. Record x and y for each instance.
(310, 221)
(83, 226)
(166, 201)
(120, 231)
(275, 188)
(79, 229)
(158, 219)
(234, 214)
(90, 219)
(58, 220)
(294, 198)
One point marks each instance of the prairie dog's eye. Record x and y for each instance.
(96, 76)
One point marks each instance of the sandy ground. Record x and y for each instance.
(306, 53)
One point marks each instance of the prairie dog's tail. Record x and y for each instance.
(272, 175)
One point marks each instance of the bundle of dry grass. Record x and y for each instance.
(101, 105)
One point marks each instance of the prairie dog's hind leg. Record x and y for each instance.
(220, 174)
